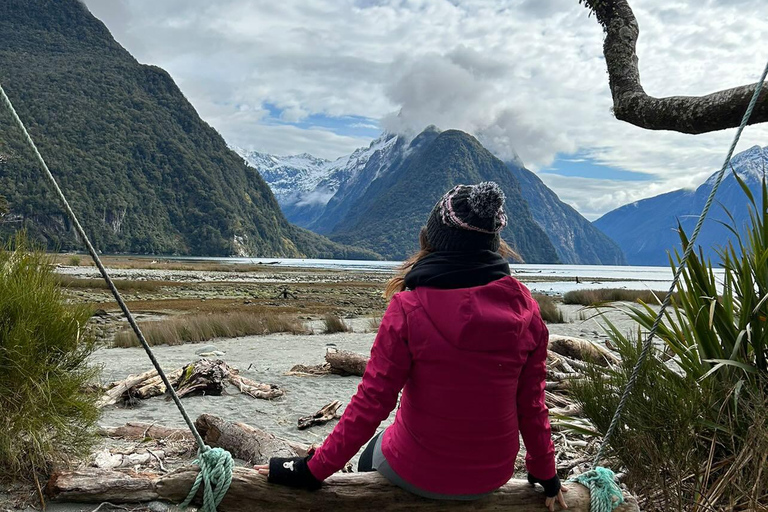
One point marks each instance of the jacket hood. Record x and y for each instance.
(482, 318)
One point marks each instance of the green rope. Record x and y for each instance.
(210, 460)
(216, 476)
(604, 493)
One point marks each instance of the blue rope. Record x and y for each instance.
(209, 460)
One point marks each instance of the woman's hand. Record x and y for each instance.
(291, 471)
(559, 499)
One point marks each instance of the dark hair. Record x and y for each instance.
(397, 283)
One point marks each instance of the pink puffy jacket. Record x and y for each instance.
(471, 364)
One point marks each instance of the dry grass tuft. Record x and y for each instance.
(604, 295)
(196, 328)
(548, 308)
(122, 285)
(333, 323)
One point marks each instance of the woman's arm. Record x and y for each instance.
(376, 396)
(532, 413)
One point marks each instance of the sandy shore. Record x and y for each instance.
(354, 295)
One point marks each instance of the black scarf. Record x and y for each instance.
(451, 270)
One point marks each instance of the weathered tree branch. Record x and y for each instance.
(686, 114)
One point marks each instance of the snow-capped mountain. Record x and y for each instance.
(304, 184)
(646, 230)
(337, 198)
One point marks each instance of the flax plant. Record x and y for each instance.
(694, 433)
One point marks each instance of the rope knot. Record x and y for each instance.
(604, 493)
(215, 474)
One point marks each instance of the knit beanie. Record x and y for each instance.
(468, 218)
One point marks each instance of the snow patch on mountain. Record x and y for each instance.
(305, 180)
(751, 165)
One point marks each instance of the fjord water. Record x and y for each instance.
(550, 279)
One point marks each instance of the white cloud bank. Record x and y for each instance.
(525, 76)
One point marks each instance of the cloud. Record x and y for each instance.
(527, 77)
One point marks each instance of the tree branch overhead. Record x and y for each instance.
(686, 114)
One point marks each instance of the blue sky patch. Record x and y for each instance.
(352, 126)
(582, 165)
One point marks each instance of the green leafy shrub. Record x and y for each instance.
(694, 433)
(44, 350)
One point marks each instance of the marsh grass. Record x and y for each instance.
(374, 322)
(195, 328)
(549, 310)
(333, 323)
(607, 295)
(123, 285)
(694, 433)
(44, 348)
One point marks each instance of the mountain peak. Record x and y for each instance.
(751, 165)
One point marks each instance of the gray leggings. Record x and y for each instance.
(372, 459)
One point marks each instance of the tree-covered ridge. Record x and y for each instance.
(388, 216)
(141, 169)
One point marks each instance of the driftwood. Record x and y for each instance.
(154, 386)
(255, 389)
(346, 363)
(327, 413)
(146, 431)
(106, 459)
(245, 442)
(251, 492)
(204, 376)
(301, 370)
(118, 390)
(582, 350)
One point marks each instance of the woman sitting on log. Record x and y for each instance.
(459, 330)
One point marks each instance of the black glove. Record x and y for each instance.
(551, 486)
(293, 472)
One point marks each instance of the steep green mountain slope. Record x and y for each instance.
(576, 240)
(142, 170)
(388, 215)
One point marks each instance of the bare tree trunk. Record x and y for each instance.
(250, 491)
(686, 114)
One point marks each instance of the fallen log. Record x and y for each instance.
(582, 350)
(346, 363)
(341, 493)
(245, 442)
(326, 413)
